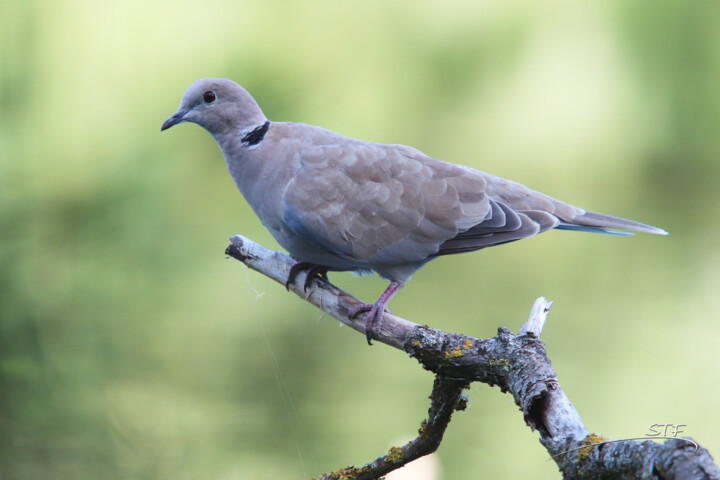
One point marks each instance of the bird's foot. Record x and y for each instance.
(375, 311)
(374, 316)
(313, 271)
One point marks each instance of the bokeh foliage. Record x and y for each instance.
(130, 348)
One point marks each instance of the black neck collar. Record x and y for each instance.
(256, 135)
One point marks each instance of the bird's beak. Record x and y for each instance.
(178, 117)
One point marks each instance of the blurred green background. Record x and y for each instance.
(130, 348)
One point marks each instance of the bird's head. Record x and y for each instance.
(218, 105)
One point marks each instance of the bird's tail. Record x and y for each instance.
(584, 228)
(599, 223)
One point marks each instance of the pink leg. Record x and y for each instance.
(376, 310)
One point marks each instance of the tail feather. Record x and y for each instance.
(601, 222)
(584, 228)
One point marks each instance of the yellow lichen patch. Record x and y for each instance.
(395, 455)
(454, 353)
(468, 344)
(364, 469)
(347, 473)
(590, 441)
(502, 362)
(422, 431)
(417, 343)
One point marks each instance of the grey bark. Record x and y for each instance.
(517, 364)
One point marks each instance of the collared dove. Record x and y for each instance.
(340, 204)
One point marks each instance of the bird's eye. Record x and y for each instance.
(209, 96)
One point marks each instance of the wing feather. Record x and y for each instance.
(375, 206)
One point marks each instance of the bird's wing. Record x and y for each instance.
(391, 204)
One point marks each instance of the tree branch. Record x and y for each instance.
(446, 397)
(516, 364)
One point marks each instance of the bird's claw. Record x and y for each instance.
(358, 309)
(374, 315)
(313, 271)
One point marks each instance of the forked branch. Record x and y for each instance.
(517, 364)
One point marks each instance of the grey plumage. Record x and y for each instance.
(339, 203)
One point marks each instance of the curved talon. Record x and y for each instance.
(375, 311)
(294, 270)
(358, 309)
(374, 315)
(313, 271)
